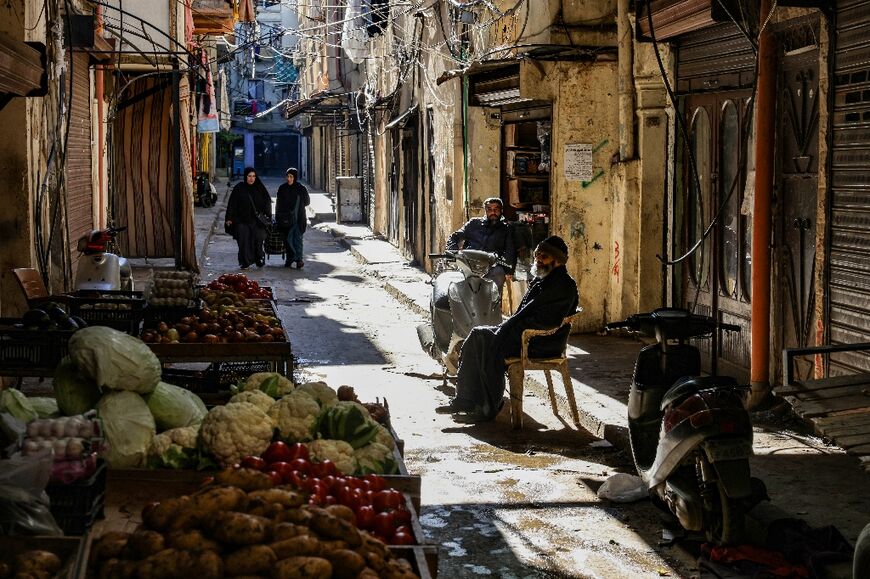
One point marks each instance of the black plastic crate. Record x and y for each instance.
(171, 315)
(229, 373)
(37, 350)
(74, 525)
(217, 377)
(79, 498)
(121, 310)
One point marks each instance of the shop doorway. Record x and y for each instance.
(274, 154)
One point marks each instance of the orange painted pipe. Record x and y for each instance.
(765, 132)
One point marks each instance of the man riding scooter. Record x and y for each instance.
(492, 234)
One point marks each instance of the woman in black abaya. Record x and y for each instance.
(249, 210)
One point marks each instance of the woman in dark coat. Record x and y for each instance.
(290, 216)
(248, 199)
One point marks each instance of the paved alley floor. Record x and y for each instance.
(499, 503)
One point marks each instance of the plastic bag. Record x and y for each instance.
(623, 488)
(24, 505)
(11, 433)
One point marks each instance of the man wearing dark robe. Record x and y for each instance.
(551, 297)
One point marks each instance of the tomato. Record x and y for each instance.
(254, 462)
(302, 466)
(402, 516)
(360, 497)
(330, 500)
(329, 482)
(387, 499)
(296, 478)
(282, 468)
(365, 517)
(376, 483)
(329, 468)
(401, 538)
(384, 524)
(299, 450)
(276, 478)
(348, 499)
(278, 452)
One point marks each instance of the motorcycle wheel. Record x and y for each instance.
(726, 523)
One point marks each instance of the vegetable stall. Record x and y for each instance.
(273, 460)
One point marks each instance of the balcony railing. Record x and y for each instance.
(212, 17)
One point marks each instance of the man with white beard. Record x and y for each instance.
(551, 297)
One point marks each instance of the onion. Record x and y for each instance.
(59, 447)
(86, 429)
(34, 428)
(75, 447)
(58, 427)
(30, 446)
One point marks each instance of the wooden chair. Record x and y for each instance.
(31, 284)
(517, 367)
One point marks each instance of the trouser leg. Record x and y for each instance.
(244, 236)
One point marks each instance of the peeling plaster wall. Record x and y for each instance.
(582, 95)
(484, 163)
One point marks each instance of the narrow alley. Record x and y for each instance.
(499, 503)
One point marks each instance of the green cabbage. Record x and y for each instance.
(129, 428)
(114, 359)
(13, 402)
(45, 407)
(74, 393)
(174, 407)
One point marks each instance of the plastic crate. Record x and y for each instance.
(74, 525)
(79, 498)
(31, 350)
(121, 310)
(171, 315)
(217, 377)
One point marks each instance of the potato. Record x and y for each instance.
(35, 574)
(295, 516)
(38, 561)
(109, 546)
(330, 527)
(346, 564)
(302, 568)
(158, 516)
(303, 545)
(5, 570)
(117, 569)
(250, 560)
(240, 529)
(215, 499)
(261, 508)
(207, 565)
(329, 545)
(342, 512)
(246, 479)
(282, 497)
(188, 518)
(191, 540)
(398, 569)
(282, 531)
(145, 543)
(167, 564)
(368, 573)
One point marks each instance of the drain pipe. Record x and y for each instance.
(765, 133)
(625, 39)
(101, 132)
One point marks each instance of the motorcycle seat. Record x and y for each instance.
(688, 385)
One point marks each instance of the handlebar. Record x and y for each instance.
(671, 323)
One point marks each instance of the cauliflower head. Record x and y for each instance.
(272, 383)
(337, 451)
(175, 448)
(295, 416)
(375, 458)
(230, 432)
(321, 392)
(383, 436)
(256, 397)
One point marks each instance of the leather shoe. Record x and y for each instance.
(469, 418)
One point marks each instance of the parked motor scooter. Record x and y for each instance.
(691, 436)
(205, 194)
(98, 268)
(461, 299)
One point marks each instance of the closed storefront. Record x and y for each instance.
(79, 174)
(849, 247)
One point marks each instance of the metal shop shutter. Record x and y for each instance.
(849, 257)
(714, 58)
(79, 178)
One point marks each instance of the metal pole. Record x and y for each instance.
(765, 133)
(176, 157)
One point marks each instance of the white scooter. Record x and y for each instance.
(98, 269)
(461, 300)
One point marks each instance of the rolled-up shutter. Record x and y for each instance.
(79, 177)
(849, 258)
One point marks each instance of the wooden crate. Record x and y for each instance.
(420, 559)
(71, 551)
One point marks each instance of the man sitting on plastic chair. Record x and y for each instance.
(551, 297)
